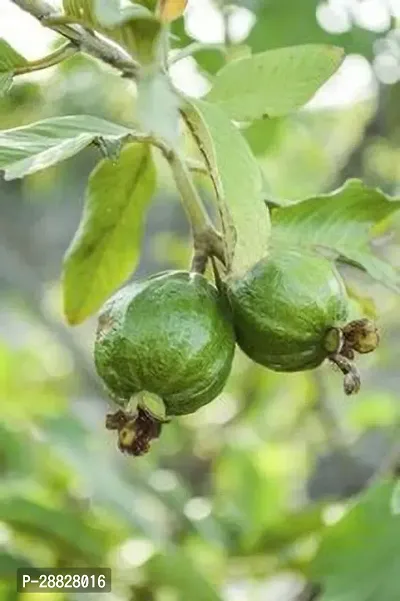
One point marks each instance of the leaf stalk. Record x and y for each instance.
(50, 60)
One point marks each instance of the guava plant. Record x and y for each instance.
(164, 346)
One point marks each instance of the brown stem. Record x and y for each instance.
(83, 39)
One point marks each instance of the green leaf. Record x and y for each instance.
(5, 82)
(176, 570)
(157, 107)
(106, 247)
(9, 564)
(24, 150)
(237, 181)
(264, 135)
(342, 222)
(110, 13)
(70, 532)
(359, 558)
(150, 4)
(275, 82)
(283, 23)
(83, 9)
(395, 502)
(10, 58)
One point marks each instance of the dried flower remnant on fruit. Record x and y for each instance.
(136, 431)
(361, 335)
(352, 379)
(358, 336)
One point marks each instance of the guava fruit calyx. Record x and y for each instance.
(358, 336)
(135, 431)
(361, 336)
(139, 424)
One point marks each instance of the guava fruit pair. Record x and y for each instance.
(165, 346)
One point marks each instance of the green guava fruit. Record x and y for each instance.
(290, 313)
(164, 345)
(286, 308)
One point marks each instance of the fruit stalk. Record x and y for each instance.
(206, 240)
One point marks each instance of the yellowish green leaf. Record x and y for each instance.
(106, 247)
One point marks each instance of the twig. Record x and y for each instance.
(84, 40)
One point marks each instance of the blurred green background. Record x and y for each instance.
(230, 503)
